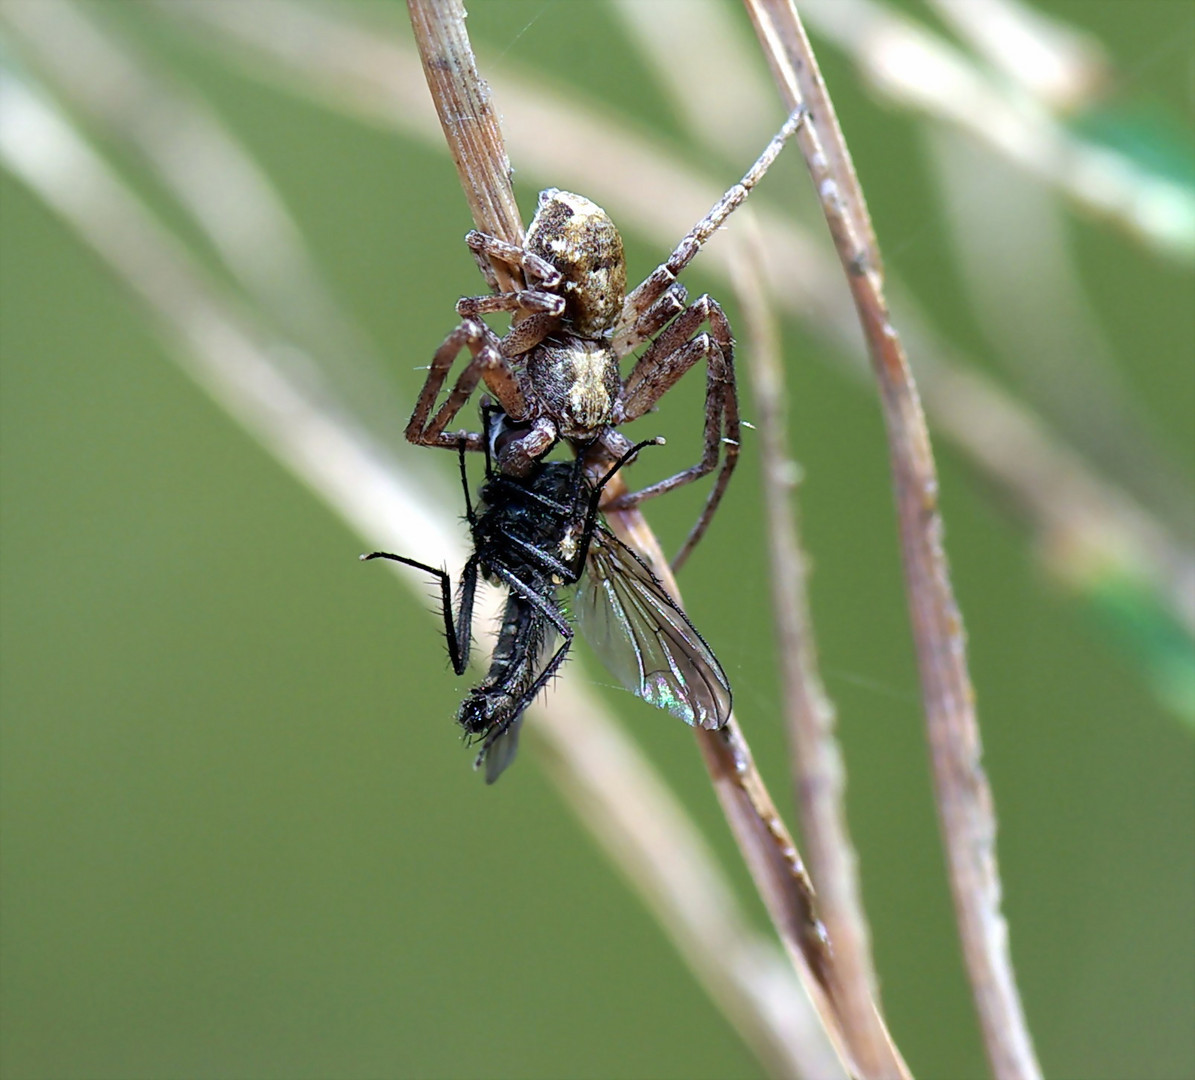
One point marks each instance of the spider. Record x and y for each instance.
(557, 369)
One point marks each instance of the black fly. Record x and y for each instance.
(536, 535)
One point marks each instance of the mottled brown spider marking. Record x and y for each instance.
(576, 381)
(577, 237)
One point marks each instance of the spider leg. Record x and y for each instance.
(652, 321)
(660, 367)
(514, 454)
(486, 247)
(487, 363)
(655, 284)
(536, 311)
(531, 301)
(541, 313)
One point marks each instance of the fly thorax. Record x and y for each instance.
(577, 383)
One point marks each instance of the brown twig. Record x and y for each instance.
(816, 759)
(463, 104)
(647, 833)
(964, 799)
(759, 831)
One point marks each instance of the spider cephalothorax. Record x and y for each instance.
(557, 370)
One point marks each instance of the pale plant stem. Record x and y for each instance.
(213, 178)
(920, 70)
(468, 120)
(818, 771)
(236, 361)
(1059, 65)
(964, 799)
(649, 835)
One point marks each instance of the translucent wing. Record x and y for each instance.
(645, 640)
(499, 752)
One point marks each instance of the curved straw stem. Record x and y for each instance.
(965, 807)
(819, 775)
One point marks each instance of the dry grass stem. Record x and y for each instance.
(728, 110)
(766, 844)
(1056, 63)
(212, 177)
(467, 117)
(919, 70)
(818, 771)
(964, 799)
(651, 838)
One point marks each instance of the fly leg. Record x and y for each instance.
(458, 634)
(505, 716)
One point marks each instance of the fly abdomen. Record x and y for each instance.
(492, 712)
(513, 669)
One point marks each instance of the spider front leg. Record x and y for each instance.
(537, 310)
(673, 353)
(647, 295)
(486, 247)
(486, 362)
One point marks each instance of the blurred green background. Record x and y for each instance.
(240, 836)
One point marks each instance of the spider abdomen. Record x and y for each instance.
(578, 238)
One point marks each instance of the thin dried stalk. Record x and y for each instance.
(235, 359)
(212, 177)
(965, 808)
(763, 839)
(649, 835)
(921, 70)
(817, 765)
(470, 125)
(1059, 65)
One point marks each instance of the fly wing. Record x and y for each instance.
(645, 640)
(499, 752)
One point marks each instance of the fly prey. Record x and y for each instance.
(557, 369)
(538, 535)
